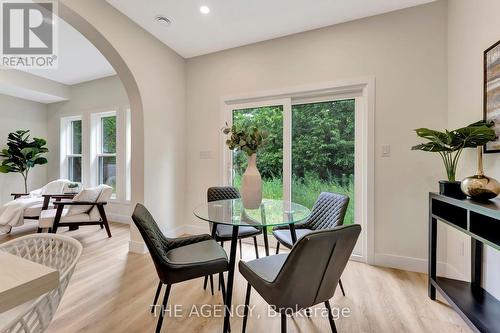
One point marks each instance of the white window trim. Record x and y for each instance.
(96, 151)
(363, 89)
(66, 145)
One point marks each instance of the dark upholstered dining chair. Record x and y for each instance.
(178, 259)
(303, 278)
(328, 212)
(224, 232)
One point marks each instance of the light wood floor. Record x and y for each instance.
(111, 290)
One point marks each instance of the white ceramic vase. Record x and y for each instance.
(251, 185)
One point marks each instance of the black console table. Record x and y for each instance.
(481, 221)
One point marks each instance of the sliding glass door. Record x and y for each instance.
(311, 149)
(323, 151)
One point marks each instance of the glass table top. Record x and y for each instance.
(270, 213)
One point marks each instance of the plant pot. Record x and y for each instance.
(251, 185)
(451, 189)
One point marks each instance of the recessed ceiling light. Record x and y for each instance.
(204, 9)
(163, 20)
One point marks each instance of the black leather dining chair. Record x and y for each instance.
(305, 277)
(328, 212)
(178, 259)
(224, 232)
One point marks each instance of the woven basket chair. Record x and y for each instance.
(55, 251)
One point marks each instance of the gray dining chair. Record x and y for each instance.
(179, 259)
(224, 232)
(328, 212)
(305, 277)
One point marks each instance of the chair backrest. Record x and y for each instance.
(217, 193)
(158, 245)
(106, 192)
(222, 193)
(313, 268)
(52, 250)
(328, 211)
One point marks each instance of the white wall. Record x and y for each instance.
(15, 114)
(473, 26)
(404, 50)
(86, 98)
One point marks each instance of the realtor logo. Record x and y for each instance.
(28, 34)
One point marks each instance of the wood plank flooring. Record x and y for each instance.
(111, 291)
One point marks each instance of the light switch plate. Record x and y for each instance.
(386, 150)
(205, 155)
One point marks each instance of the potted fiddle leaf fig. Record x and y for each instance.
(449, 145)
(22, 154)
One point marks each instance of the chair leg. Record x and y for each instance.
(205, 282)
(341, 287)
(160, 284)
(330, 317)
(39, 231)
(277, 247)
(162, 312)
(256, 247)
(212, 284)
(102, 226)
(247, 302)
(222, 286)
(283, 323)
(241, 253)
(104, 219)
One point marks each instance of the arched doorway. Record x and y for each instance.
(136, 105)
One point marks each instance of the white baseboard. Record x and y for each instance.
(137, 247)
(416, 265)
(119, 218)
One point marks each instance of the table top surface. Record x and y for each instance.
(22, 280)
(270, 213)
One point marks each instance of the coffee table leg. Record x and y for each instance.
(230, 279)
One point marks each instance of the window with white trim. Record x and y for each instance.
(106, 156)
(72, 148)
(96, 149)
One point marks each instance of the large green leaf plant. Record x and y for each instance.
(22, 154)
(450, 144)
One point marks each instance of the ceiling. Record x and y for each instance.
(233, 23)
(79, 60)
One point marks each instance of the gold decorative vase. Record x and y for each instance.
(480, 187)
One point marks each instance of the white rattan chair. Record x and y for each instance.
(55, 251)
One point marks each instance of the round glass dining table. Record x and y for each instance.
(270, 213)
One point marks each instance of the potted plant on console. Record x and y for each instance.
(449, 145)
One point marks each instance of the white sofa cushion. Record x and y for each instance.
(34, 211)
(47, 218)
(105, 194)
(89, 195)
